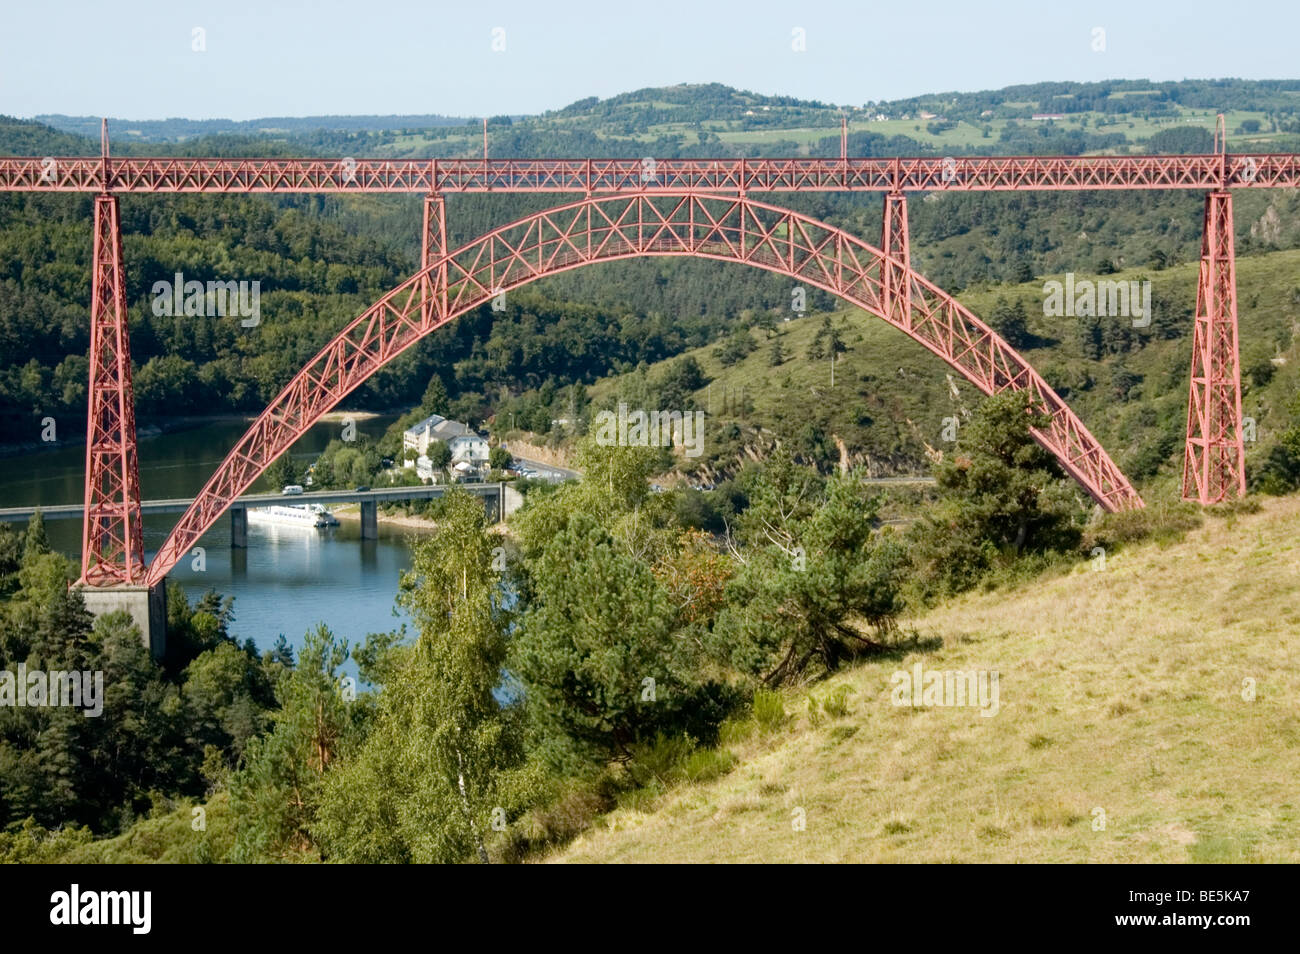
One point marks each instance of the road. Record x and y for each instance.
(548, 471)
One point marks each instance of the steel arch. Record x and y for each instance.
(649, 223)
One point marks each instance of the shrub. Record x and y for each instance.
(769, 710)
(1160, 521)
(734, 731)
(676, 758)
(836, 703)
(704, 765)
(658, 759)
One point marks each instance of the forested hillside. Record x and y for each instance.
(771, 379)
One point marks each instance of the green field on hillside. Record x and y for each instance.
(964, 135)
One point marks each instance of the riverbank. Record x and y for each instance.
(157, 428)
(352, 512)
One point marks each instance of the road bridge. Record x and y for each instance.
(494, 495)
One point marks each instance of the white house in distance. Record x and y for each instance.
(469, 452)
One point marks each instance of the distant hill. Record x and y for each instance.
(28, 137)
(179, 130)
(715, 119)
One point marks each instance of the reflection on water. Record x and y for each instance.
(286, 581)
(290, 578)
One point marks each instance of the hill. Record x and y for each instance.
(711, 118)
(891, 396)
(179, 130)
(1154, 696)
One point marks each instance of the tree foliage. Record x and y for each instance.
(277, 791)
(443, 761)
(812, 573)
(1002, 495)
(60, 766)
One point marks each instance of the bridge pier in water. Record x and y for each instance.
(147, 606)
(239, 528)
(369, 520)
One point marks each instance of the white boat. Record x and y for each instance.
(311, 515)
(320, 511)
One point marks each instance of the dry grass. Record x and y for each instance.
(1121, 692)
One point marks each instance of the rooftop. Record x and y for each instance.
(438, 427)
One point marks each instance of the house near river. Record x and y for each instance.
(469, 451)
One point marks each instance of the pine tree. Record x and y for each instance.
(1001, 495)
(817, 347)
(589, 642)
(435, 400)
(776, 357)
(827, 343)
(812, 567)
(275, 796)
(1008, 320)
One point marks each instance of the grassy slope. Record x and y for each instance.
(1120, 690)
(779, 399)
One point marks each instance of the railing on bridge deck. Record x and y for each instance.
(440, 176)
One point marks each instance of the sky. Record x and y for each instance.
(142, 60)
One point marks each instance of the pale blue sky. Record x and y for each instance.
(269, 58)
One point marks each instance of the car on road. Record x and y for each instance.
(362, 489)
(291, 490)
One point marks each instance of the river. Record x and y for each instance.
(286, 581)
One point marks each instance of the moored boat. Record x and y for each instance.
(311, 516)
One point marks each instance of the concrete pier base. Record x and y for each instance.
(238, 527)
(369, 520)
(511, 500)
(146, 604)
